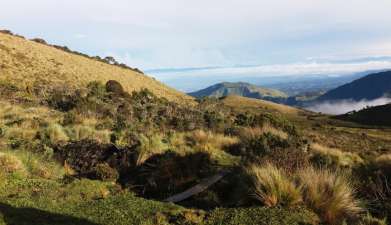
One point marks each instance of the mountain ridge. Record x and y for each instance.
(238, 88)
(370, 87)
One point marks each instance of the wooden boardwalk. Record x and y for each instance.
(202, 186)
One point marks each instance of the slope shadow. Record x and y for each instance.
(27, 216)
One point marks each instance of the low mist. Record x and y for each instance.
(344, 106)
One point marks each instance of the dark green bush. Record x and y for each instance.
(96, 89)
(105, 173)
(259, 146)
(169, 173)
(84, 156)
(114, 87)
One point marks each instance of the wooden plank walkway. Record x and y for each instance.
(202, 186)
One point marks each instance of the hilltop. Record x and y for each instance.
(28, 64)
(377, 115)
(370, 87)
(240, 89)
(244, 104)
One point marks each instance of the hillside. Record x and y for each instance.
(249, 104)
(370, 87)
(240, 89)
(78, 149)
(377, 115)
(26, 64)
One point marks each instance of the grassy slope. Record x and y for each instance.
(243, 104)
(34, 201)
(323, 129)
(377, 115)
(25, 62)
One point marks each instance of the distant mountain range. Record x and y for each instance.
(370, 87)
(300, 85)
(239, 89)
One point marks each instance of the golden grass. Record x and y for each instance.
(83, 132)
(249, 104)
(56, 133)
(337, 156)
(25, 62)
(255, 132)
(329, 194)
(272, 187)
(208, 141)
(384, 160)
(22, 123)
(10, 164)
(150, 146)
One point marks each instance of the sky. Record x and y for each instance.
(240, 38)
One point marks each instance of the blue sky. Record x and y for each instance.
(275, 37)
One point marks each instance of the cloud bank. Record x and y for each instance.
(192, 79)
(152, 34)
(345, 106)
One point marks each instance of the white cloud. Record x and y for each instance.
(345, 106)
(280, 70)
(79, 36)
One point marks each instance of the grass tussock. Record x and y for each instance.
(272, 187)
(208, 141)
(370, 220)
(10, 163)
(334, 157)
(150, 146)
(330, 194)
(83, 132)
(384, 161)
(56, 133)
(29, 164)
(213, 144)
(254, 132)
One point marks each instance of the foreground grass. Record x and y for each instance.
(40, 201)
(262, 216)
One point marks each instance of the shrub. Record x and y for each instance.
(56, 133)
(105, 173)
(96, 89)
(114, 87)
(169, 173)
(84, 132)
(84, 156)
(254, 143)
(70, 118)
(10, 163)
(370, 220)
(39, 40)
(384, 161)
(272, 187)
(330, 195)
(290, 160)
